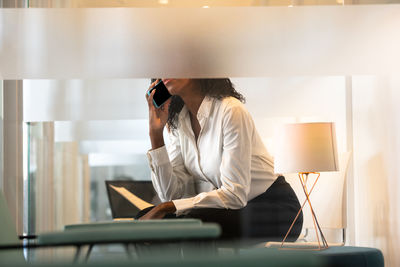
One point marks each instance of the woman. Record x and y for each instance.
(216, 167)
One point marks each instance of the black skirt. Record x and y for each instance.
(267, 217)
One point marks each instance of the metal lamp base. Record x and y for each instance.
(322, 244)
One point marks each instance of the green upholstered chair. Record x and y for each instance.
(352, 256)
(256, 259)
(344, 256)
(121, 233)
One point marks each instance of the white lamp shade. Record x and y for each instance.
(306, 147)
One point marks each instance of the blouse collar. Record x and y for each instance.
(203, 112)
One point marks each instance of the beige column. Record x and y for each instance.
(12, 150)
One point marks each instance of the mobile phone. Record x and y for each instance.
(161, 95)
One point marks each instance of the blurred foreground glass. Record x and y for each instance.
(180, 3)
(118, 43)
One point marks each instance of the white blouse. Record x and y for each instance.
(227, 166)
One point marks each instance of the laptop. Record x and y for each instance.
(127, 198)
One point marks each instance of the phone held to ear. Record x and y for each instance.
(161, 95)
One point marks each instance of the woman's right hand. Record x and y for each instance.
(157, 119)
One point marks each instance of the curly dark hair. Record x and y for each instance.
(215, 88)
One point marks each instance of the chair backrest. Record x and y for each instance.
(8, 234)
(115, 224)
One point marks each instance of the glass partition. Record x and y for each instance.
(84, 111)
(83, 132)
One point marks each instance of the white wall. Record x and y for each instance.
(276, 100)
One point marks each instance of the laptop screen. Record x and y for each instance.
(121, 207)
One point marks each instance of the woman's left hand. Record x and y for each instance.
(159, 211)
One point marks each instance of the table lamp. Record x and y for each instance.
(307, 148)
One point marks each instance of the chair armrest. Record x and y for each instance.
(132, 234)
